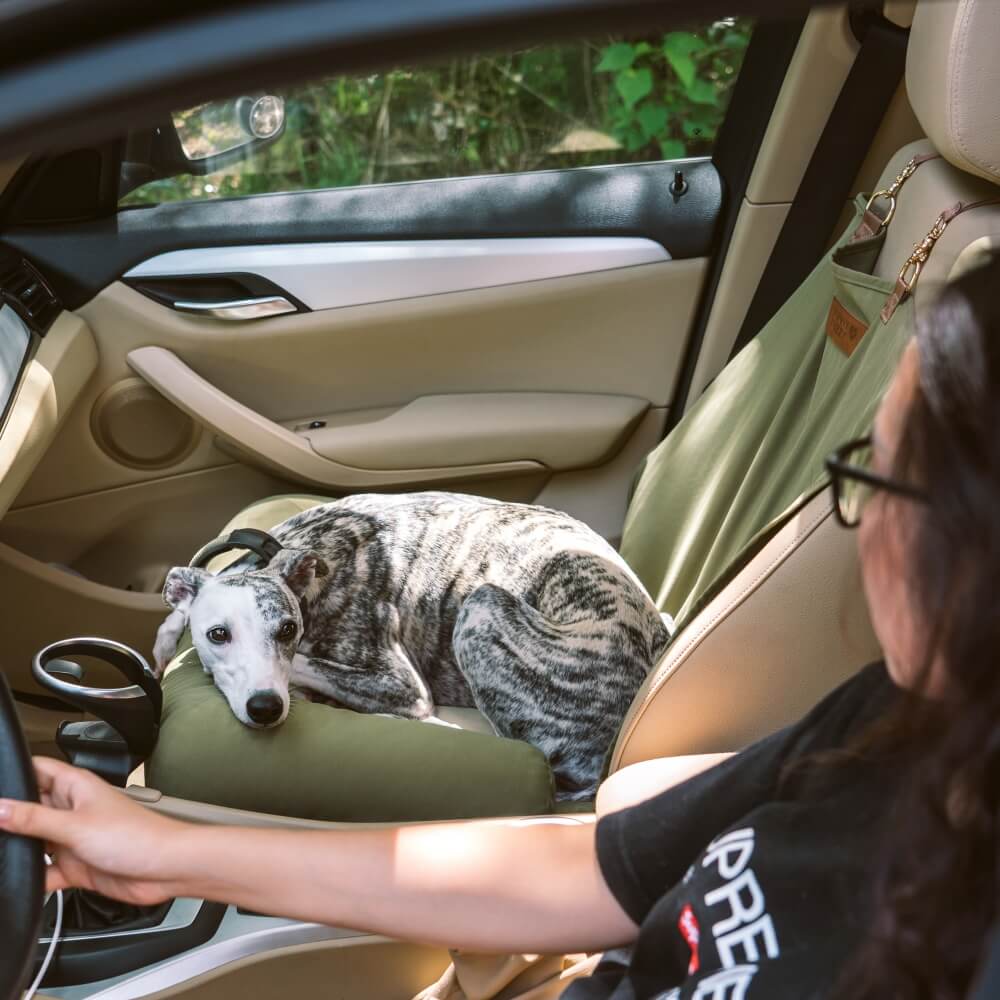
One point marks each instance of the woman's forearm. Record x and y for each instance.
(499, 885)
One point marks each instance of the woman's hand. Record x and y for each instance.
(97, 837)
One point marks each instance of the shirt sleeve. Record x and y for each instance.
(644, 850)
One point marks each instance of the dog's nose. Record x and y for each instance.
(264, 707)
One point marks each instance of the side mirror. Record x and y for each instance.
(202, 139)
(215, 134)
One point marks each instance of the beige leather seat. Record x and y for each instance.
(793, 623)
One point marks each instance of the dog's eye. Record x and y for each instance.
(286, 631)
(218, 635)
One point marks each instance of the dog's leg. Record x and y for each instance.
(387, 687)
(544, 682)
(375, 676)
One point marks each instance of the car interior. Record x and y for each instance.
(180, 368)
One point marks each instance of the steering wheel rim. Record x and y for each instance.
(22, 865)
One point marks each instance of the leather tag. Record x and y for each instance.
(844, 328)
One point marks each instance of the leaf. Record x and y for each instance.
(672, 149)
(683, 41)
(634, 139)
(616, 57)
(652, 119)
(683, 66)
(634, 85)
(678, 47)
(702, 92)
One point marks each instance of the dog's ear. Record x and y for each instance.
(179, 590)
(182, 586)
(299, 568)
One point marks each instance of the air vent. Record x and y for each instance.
(22, 287)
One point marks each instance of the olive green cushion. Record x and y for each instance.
(707, 496)
(332, 764)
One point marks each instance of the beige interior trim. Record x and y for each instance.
(819, 66)
(599, 496)
(787, 629)
(276, 447)
(53, 379)
(754, 235)
(558, 430)
(205, 812)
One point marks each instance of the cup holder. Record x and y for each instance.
(114, 747)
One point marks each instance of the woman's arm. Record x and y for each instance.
(496, 885)
(638, 782)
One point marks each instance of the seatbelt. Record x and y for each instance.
(826, 184)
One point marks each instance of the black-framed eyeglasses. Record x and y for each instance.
(853, 481)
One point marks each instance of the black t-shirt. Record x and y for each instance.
(751, 880)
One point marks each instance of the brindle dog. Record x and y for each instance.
(396, 604)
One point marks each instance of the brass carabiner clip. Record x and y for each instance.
(888, 194)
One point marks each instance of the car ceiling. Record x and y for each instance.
(81, 71)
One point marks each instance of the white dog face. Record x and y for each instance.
(246, 628)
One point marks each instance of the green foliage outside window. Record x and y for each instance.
(578, 104)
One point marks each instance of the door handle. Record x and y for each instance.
(239, 310)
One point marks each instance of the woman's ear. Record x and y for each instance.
(179, 590)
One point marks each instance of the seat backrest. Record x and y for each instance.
(730, 529)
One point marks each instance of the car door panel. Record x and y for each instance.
(544, 336)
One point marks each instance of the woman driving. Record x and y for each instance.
(853, 854)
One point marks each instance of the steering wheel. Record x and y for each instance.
(22, 866)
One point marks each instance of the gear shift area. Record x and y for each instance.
(101, 937)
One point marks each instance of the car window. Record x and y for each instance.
(599, 101)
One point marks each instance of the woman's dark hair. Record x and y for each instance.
(936, 887)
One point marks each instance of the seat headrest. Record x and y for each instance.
(953, 81)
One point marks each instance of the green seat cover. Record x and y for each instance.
(752, 448)
(735, 468)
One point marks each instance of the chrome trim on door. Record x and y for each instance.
(239, 310)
